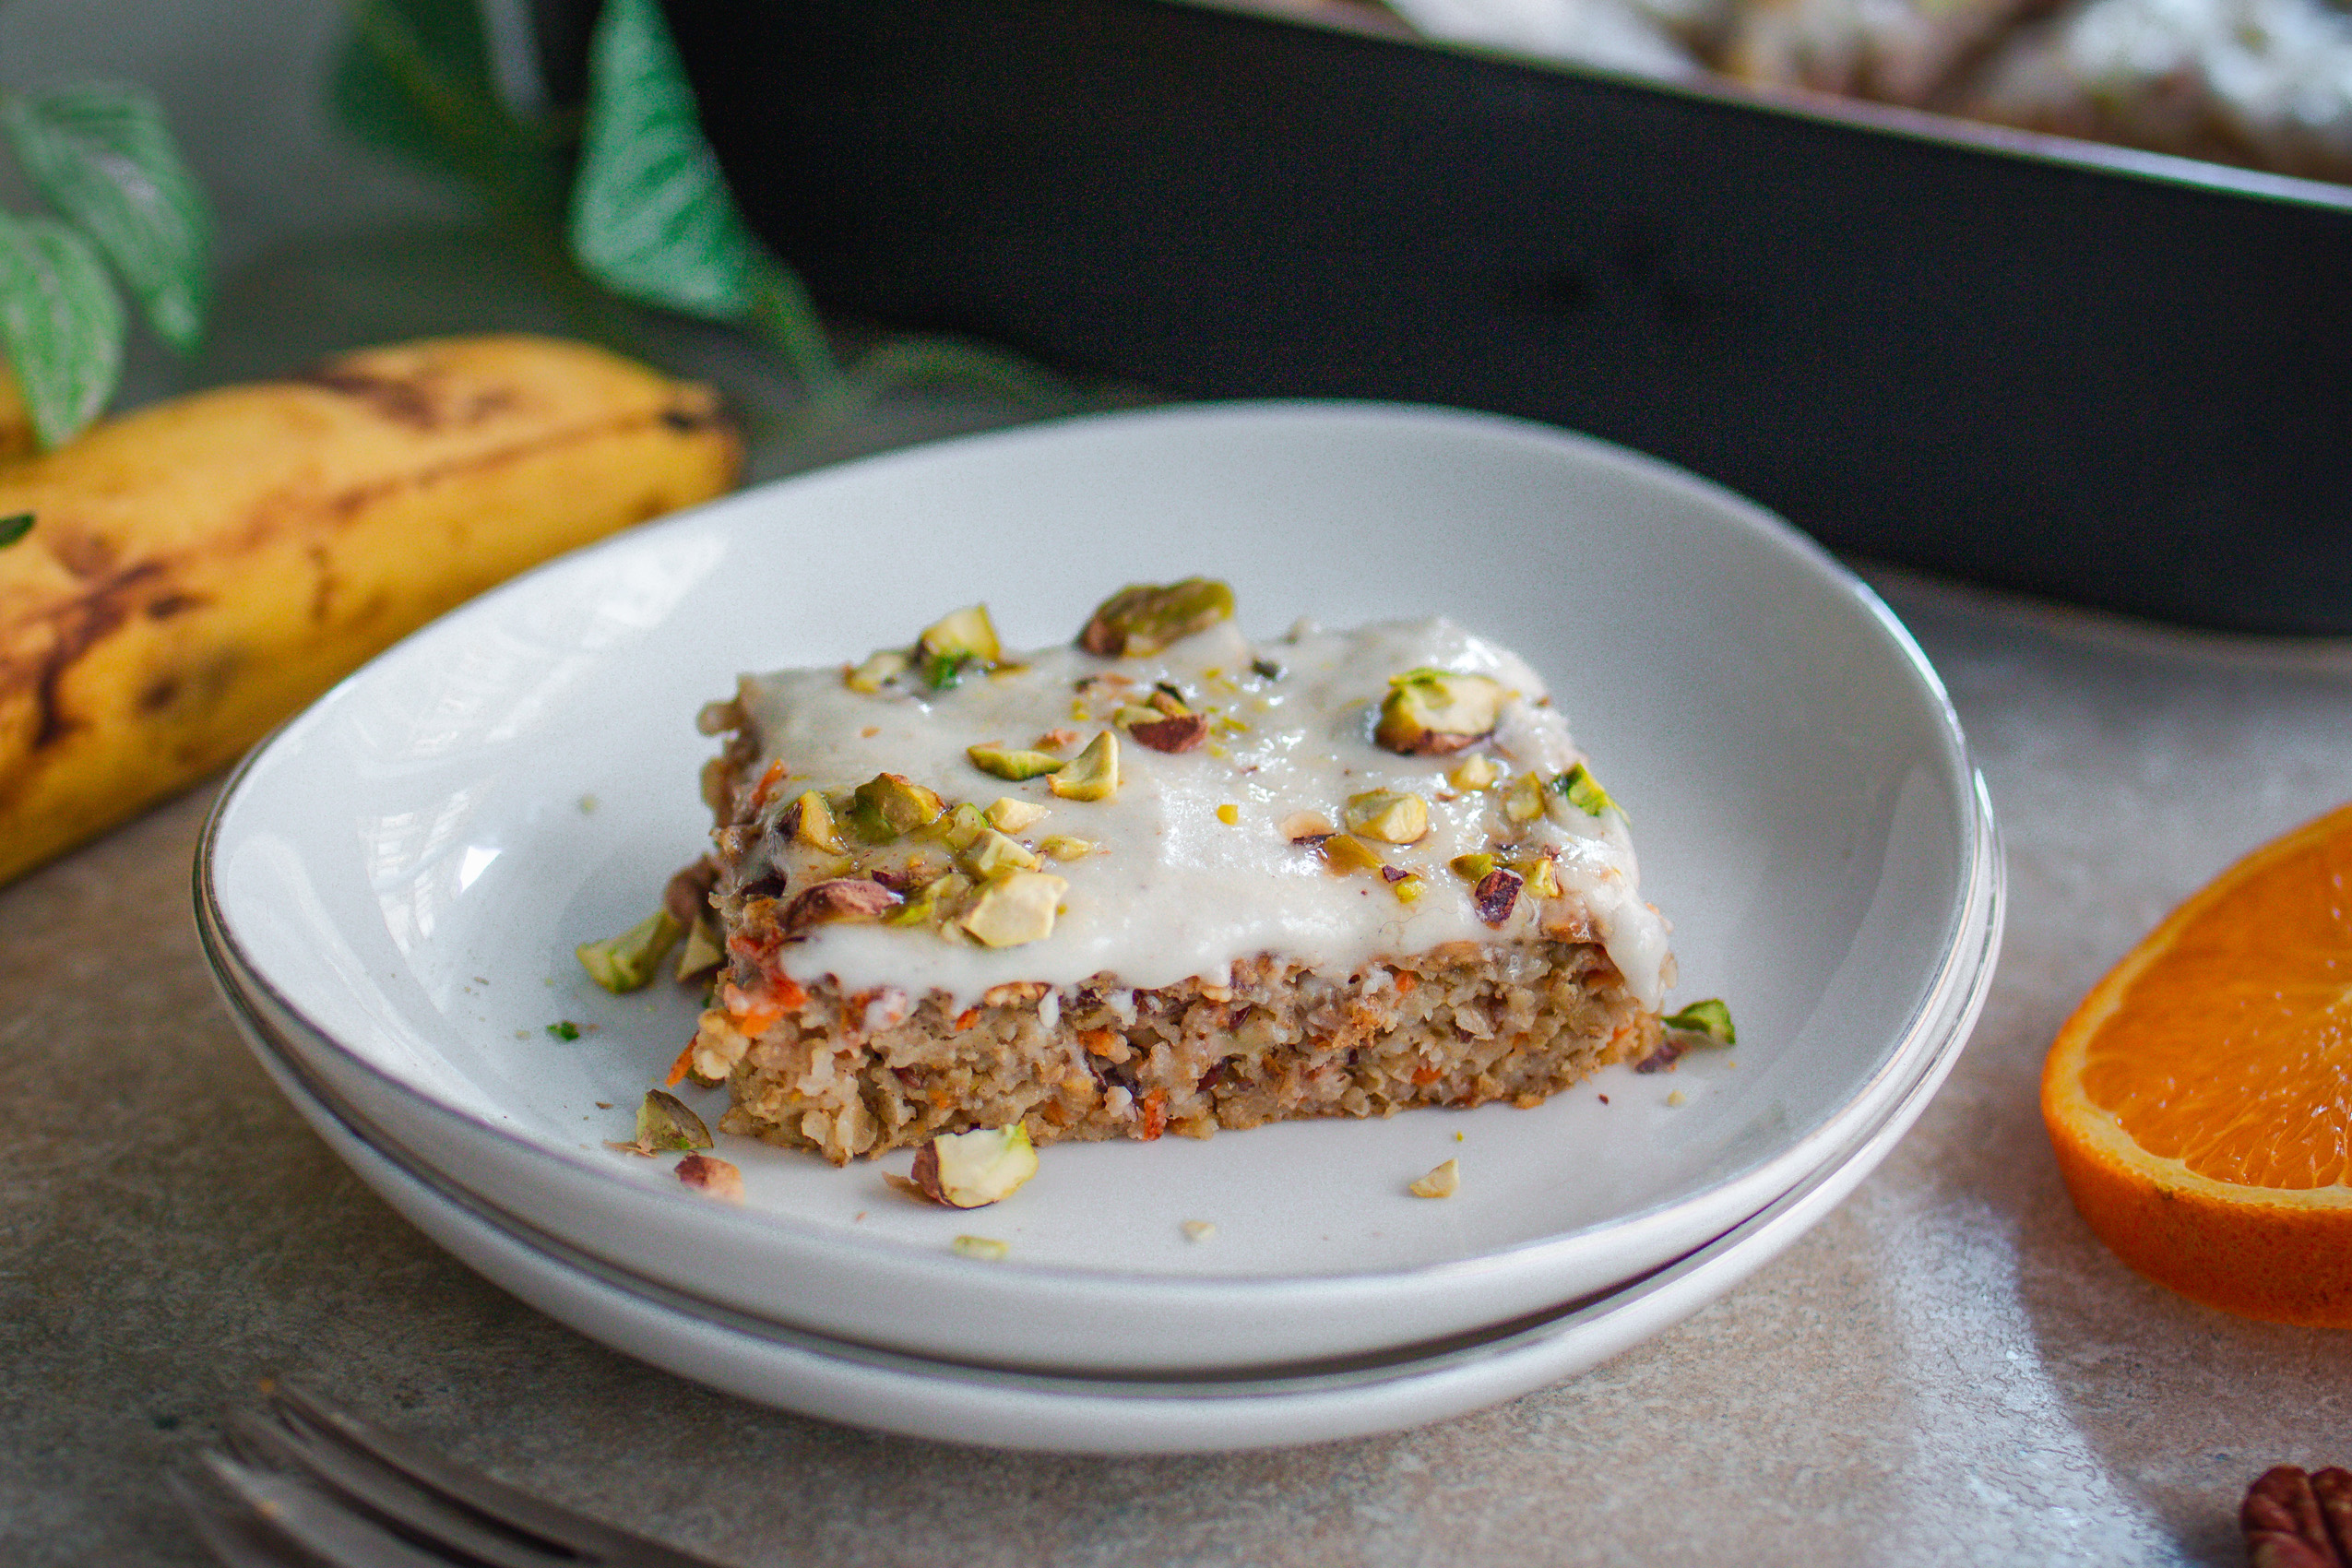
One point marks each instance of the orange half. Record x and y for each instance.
(2200, 1100)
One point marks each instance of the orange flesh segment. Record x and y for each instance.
(2232, 1051)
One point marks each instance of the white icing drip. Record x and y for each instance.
(1172, 891)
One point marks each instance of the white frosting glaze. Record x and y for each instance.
(1174, 891)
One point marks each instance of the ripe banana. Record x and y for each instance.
(198, 570)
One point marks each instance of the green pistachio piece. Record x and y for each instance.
(1540, 875)
(881, 667)
(998, 762)
(1009, 813)
(1062, 847)
(626, 962)
(1142, 617)
(809, 820)
(968, 637)
(703, 953)
(1392, 816)
(988, 1249)
(1581, 789)
(1017, 908)
(1711, 1019)
(932, 902)
(667, 1123)
(993, 854)
(1472, 868)
(961, 828)
(1524, 800)
(1345, 853)
(1434, 712)
(1474, 773)
(974, 1169)
(1407, 888)
(900, 802)
(1092, 775)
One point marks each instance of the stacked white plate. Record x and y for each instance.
(391, 888)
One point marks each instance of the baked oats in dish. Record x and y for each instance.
(1160, 880)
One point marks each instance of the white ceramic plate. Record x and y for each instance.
(398, 879)
(1185, 1413)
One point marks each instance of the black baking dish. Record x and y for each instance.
(2103, 375)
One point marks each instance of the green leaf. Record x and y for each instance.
(652, 218)
(61, 324)
(415, 81)
(14, 528)
(102, 154)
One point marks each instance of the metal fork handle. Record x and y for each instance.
(329, 1485)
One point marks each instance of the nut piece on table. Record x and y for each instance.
(2295, 1520)
(1142, 617)
(974, 1169)
(1092, 775)
(1436, 712)
(1016, 908)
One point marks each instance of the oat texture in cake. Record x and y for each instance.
(1161, 879)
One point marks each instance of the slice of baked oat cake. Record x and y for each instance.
(1161, 880)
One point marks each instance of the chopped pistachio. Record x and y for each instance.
(1407, 888)
(1344, 853)
(1092, 775)
(1002, 761)
(841, 898)
(1442, 1182)
(1541, 875)
(1434, 712)
(1142, 617)
(1016, 908)
(1474, 773)
(1581, 789)
(665, 1122)
(626, 962)
(1062, 847)
(710, 1176)
(975, 1168)
(1711, 1019)
(966, 636)
(564, 1030)
(900, 802)
(1199, 1229)
(992, 854)
(1495, 896)
(1134, 713)
(1392, 816)
(880, 669)
(987, 1248)
(809, 820)
(703, 952)
(1472, 868)
(1008, 813)
(933, 902)
(961, 828)
(1229, 814)
(1300, 825)
(1524, 800)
